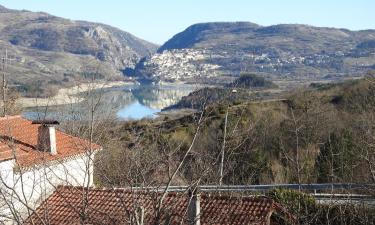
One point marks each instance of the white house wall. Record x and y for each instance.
(29, 187)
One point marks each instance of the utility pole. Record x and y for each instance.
(223, 149)
(4, 61)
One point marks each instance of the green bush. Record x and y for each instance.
(309, 212)
(295, 201)
(338, 158)
(248, 80)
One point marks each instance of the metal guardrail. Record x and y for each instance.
(332, 193)
(265, 188)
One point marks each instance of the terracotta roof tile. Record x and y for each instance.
(104, 206)
(19, 137)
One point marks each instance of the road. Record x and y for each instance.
(330, 193)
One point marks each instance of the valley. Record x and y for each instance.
(58, 53)
(241, 122)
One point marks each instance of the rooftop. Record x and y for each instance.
(70, 205)
(19, 138)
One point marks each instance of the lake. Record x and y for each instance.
(136, 111)
(130, 102)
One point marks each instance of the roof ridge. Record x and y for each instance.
(66, 200)
(25, 137)
(140, 190)
(7, 117)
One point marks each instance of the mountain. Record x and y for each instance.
(46, 48)
(213, 50)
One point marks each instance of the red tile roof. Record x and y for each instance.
(19, 137)
(117, 206)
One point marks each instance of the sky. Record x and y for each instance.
(159, 20)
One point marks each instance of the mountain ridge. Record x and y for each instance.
(48, 48)
(294, 51)
(196, 28)
(252, 27)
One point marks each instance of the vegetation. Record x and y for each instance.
(309, 212)
(249, 80)
(11, 105)
(307, 138)
(240, 90)
(206, 96)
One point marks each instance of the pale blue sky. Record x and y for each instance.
(158, 20)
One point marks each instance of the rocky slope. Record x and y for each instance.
(46, 48)
(279, 51)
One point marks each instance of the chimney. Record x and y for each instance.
(194, 208)
(47, 135)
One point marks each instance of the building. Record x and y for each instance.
(35, 158)
(77, 205)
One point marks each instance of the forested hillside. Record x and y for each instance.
(324, 133)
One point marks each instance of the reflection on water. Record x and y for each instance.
(127, 102)
(161, 97)
(136, 111)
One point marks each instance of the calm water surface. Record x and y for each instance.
(127, 103)
(136, 111)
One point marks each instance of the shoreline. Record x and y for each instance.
(69, 95)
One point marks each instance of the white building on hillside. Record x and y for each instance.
(34, 159)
